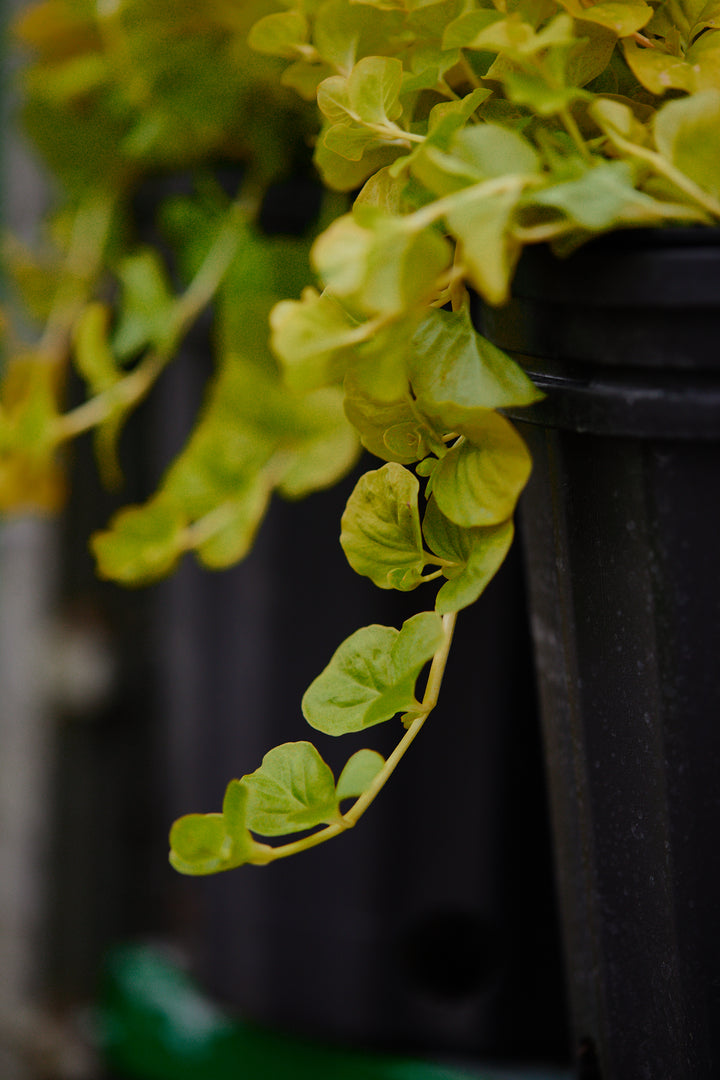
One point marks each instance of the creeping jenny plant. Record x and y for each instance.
(448, 134)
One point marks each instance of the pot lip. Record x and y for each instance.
(637, 236)
(654, 268)
(660, 403)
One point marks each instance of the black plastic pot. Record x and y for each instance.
(621, 525)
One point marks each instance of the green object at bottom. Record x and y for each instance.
(155, 1024)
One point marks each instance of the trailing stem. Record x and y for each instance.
(352, 816)
(131, 389)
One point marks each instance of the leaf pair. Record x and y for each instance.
(383, 540)
(207, 843)
(293, 790)
(446, 374)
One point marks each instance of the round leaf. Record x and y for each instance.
(209, 843)
(292, 790)
(198, 844)
(381, 534)
(477, 555)
(142, 544)
(359, 773)
(479, 480)
(372, 676)
(451, 364)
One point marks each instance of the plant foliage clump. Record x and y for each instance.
(449, 134)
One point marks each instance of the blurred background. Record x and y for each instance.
(423, 945)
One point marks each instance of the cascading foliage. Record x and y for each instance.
(468, 130)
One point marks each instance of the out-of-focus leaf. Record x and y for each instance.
(142, 544)
(687, 132)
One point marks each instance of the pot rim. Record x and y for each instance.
(658, 268)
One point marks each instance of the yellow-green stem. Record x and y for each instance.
(665, 168)
(574, 132)
(130, 390)
(77, 279)
(434, 211)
